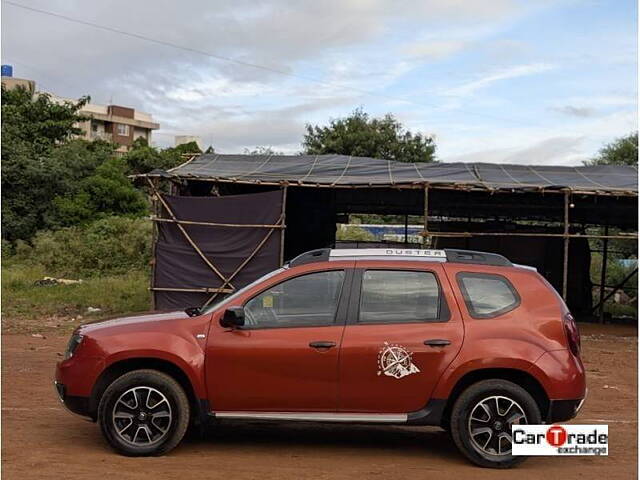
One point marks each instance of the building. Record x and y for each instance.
(182, 139)
(117, 124)
(112, 123)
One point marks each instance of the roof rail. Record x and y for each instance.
(446, 255)
(478, 258)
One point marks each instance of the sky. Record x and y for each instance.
(541, 82)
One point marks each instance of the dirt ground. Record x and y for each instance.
(42, 440)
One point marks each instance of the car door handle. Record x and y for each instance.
(322, 344)
(437, 342)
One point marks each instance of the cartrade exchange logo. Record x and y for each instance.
(560, 439)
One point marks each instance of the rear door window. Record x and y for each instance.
(399, 296)
(487, 295)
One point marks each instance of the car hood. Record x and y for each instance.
(141, 320)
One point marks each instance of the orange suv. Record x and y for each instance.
(458, 339)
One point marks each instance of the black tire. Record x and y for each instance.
(147, 388)
(461, 424)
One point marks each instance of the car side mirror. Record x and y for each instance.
(232, 317)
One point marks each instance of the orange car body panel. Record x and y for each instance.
(276, 370)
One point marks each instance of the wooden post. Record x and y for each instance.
(603, 270)
(565, 262)
(406, 230)
(426, 216)
(283, 220)
(154, 241)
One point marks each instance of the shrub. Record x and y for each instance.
(110, 246)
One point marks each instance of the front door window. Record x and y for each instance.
(307, 300)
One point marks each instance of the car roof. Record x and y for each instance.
(445, 255)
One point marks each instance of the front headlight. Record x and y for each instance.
(74, 342)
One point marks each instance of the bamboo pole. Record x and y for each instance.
(526, 234)
(246, 260)
(154, 243)
(603, 270)
(565, 260)
(188, 237)
(614, 290)
(212, 224)
(282, 225)
(195, 290)
(467, 187)
(426, 217)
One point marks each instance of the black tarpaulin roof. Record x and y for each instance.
(342, 170)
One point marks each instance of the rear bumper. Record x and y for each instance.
(77, 405)
(563, 410)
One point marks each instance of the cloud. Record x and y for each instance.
(433, 63)
(436, 49)
(488, 79)
(573, 111)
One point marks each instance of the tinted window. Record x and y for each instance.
(399, 296)
(301, 301)
(487, 295)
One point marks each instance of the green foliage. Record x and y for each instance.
(110, 246)
(622, 151)
(360, 135)
(107, 192)
(30, 308)
(39, 161)
(354, 234)
(266, 151)
(36, 120)
(143, 158)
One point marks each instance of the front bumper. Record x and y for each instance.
(77, 405)
(563, 410)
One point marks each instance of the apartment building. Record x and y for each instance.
(112, 123)
(117, 124)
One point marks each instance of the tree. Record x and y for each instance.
(36, 120)
(107, 192)
(622, 151)
(143, 158)
(265, 151)
(362, 136)
(34, 127)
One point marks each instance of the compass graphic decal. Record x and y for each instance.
(395, 361)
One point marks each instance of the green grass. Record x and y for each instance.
(30, 308)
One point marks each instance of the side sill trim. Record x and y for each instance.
(316, 416)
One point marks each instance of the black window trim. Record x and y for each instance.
(493, 276)
(343, 301)
(444, 312)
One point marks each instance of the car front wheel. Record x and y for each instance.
(482, 417)
(144, 412)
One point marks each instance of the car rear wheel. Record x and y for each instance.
(144, 412)
(482, 417)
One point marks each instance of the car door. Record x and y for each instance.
(285, 357)
(402, 332)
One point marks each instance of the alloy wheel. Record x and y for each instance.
(490, 424)
(142, 416)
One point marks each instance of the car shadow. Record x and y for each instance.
(284, 436)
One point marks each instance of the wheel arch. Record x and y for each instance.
(519, 377)
(119, 368)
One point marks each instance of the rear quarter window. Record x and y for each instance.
(487, 295)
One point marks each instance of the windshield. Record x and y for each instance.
(214, 306)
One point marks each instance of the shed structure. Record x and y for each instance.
(225, 220)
